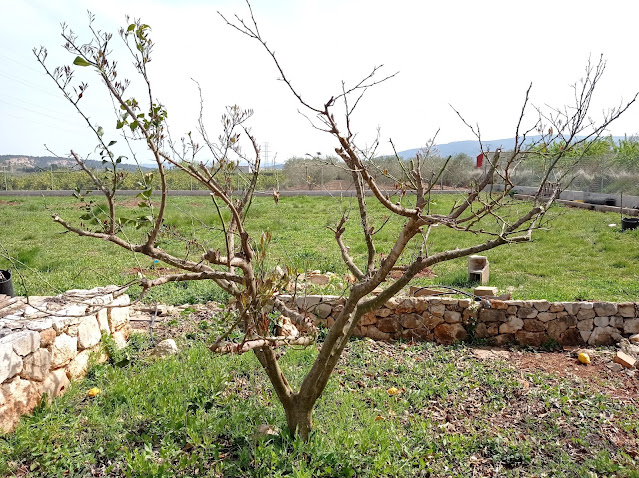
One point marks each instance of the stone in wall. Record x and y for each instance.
(55, 384)
(431, 321)
(418, 334)
(604, 336)
(481, 331)
(527, 312)
(540, 305)
(534, 325)
(546, 316)
(557, 327)
(118, 313)
(532, 338)
(389, 325)
(374, 333)
(502, 339)
(627, 309)
(78, 367)
(323, 310)
(10, 362)
(571, 336)
(411, 321)
(499, 305)
(17, 397)
(492, 315)
(36, 366)
(24, 342)
(603, 309)
(89, 333)
(103, 320)
(452, 317)
(450, 333)
(512, 325)
(631, 326)
(64, 350)
(369, 318)
(47, 337)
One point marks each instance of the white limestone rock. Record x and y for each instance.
(65, 348)
(165, 348)
(89, 333)
(36, 365)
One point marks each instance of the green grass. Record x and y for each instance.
(576, 256)
(196, 414)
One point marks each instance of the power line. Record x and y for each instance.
(26, 83)
(48, 125)
(33, 111)
(20, 63)
(37, 105)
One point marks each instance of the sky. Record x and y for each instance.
(478, 57)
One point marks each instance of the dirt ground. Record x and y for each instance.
(622, 384)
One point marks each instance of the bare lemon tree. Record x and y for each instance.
(238, 265)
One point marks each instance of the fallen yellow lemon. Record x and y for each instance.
(393, 391)
(93, 392)
(584, 358)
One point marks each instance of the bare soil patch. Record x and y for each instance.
(564, 364)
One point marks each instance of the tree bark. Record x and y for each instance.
(299, 417)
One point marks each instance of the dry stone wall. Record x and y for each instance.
(447, 320)
(48, 342)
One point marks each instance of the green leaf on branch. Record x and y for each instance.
(146, 194)
(112, 142)
(131, 27)
(79, 61)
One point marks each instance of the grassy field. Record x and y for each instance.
(454, 415)
(577, 256)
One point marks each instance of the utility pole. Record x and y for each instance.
(266, 153)
(5, 178)
(51, 172)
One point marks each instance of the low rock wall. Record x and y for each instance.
(48, 342)
(447, 320)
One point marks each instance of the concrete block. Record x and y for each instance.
(485, 291)
(479, 269)
(624, 359)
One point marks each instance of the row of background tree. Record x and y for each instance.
(603, 166)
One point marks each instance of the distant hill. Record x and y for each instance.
(272, 166)
(22, 163)
(471, 148)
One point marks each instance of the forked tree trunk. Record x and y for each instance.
(299, 418)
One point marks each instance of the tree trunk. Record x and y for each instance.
(299, 418)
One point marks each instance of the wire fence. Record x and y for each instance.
(602, 174)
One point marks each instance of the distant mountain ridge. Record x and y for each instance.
(471, 148)
(24, 163)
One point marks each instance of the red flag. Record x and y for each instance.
(479, 160)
